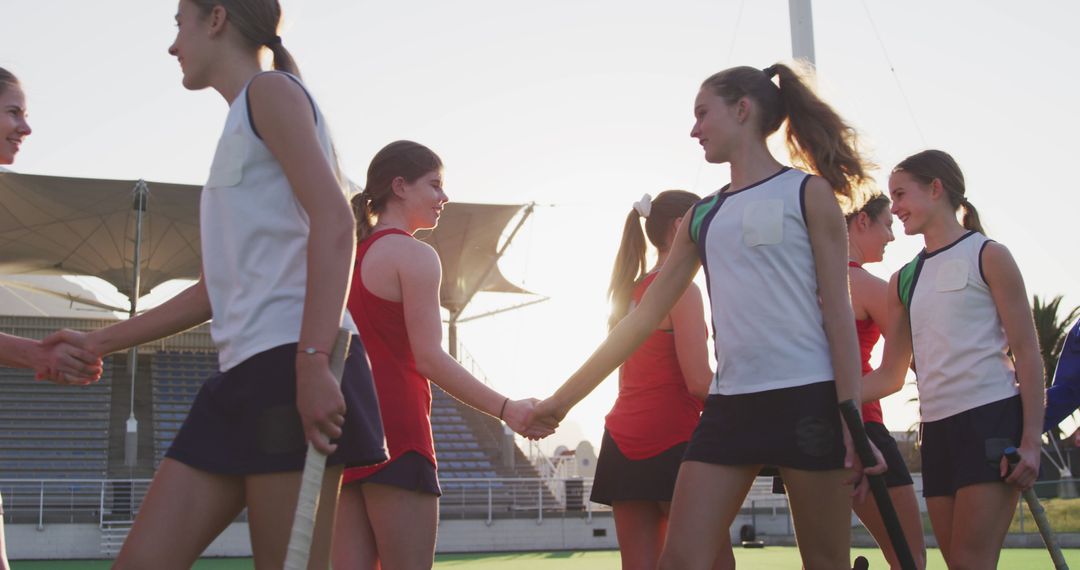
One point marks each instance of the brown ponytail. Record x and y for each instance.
(818, 139)
(928, 165)
(406, 159)
(257, 21)
(630, 267)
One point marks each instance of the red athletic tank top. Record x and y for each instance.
(654, 411)
(869, 333)
(404, 394)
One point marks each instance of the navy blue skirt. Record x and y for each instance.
(954, 448)
(789, 427)
(411, 471)
(244, 421)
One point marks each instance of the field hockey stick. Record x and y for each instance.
(307, 505)
(850, 412)
(1039, 514)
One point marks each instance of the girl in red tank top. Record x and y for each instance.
(388, 514)
(662, 386)
(869, 230)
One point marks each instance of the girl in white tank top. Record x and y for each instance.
(961, 307)
(773, 242)
(274, 214)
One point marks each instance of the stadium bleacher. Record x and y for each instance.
(53, 432)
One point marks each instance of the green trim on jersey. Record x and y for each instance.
(698, 216)
(906, 282)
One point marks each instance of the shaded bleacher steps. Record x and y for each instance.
(473, 448)
(49, 431)
(177, 377)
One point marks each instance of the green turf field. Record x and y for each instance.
(771, 558)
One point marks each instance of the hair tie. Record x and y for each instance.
(272, 42)
(644, 206)
(770, 72)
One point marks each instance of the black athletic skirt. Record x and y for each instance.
(619, 478)
(954, 448)
(411, 471)
(790, 427)
(244, 421)
(897, 475)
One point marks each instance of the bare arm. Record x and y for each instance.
(187, 309)
(282, 115)
(676, 275)
(871, 295)
(18, 352)
(828, 240)
(688, 322)
(51, 361)
(889, 377)
(419, 275)
(1010, 298)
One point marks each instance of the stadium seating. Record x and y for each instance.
(53, 432)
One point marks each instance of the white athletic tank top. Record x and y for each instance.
(961, 354)
(254, 242)
(763, 289)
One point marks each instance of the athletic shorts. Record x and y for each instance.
(954, 448)
(244, 421)
(411, 471)
(795, 427)
(897, 475)
(619, 478)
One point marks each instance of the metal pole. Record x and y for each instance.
(131, 435)
(802, 30)
(489, 517)
(452, 340)
(41, 507)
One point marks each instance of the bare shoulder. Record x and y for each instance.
(407, 253)
(819, 188)
(276, 91)
(860, 277)
(996, 263)
(820, 202)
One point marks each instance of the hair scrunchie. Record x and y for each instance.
(644, 206)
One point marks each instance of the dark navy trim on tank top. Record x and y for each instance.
(981, 249)
(802, 199)
(782, 170)
(927, 255)
(247, 99)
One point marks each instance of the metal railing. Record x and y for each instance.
(103, 501)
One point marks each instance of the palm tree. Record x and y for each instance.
(1051, 331)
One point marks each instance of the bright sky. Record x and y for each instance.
(583, 106)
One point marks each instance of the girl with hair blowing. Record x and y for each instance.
(772, 243)
(277, 249)
(961, 306)
(389, 513)
(661, 388)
